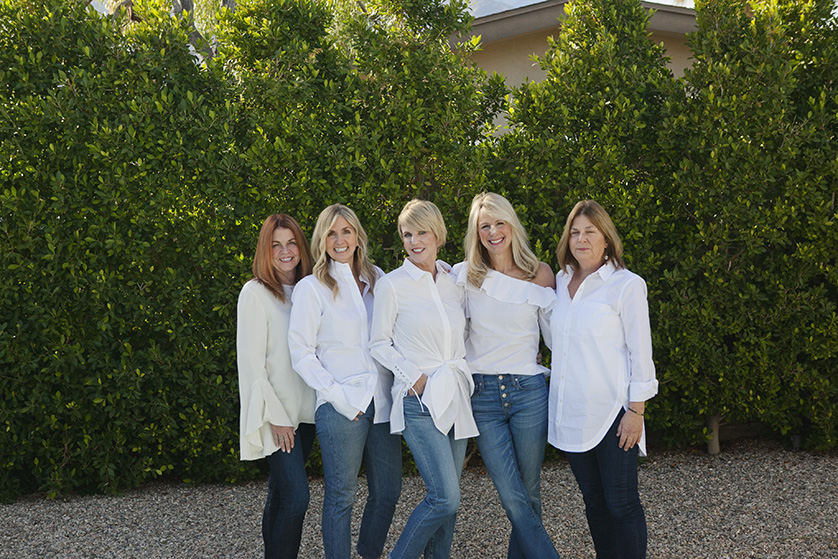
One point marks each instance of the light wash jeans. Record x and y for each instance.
(288, 496)
(511, 414)
(607, 477)
(439, 459)
(343, 444)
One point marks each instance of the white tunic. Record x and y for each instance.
(270, 390)
(602, 356)
(329, 343)
(418, 327)
(505, 314)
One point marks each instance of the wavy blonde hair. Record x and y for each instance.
(361, 265)
(477, 257)
(263, 266)
(602, 221)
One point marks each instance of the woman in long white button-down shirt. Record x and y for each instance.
(417, 333)
(329, 343)
(277, 407)
(602, 376)
(509, 296)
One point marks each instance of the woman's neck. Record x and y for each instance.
(504, 263)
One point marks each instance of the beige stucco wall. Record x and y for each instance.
(512, 57)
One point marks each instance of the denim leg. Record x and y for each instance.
(342, 443)
(607, 478)
(439, 459)
(511, 414)
(288, 497)
(440, 543)
(383, 459)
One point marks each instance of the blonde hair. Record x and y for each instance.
(425, 216)
(477, 256)
(361, 265)
(602, 221)
(263, 266)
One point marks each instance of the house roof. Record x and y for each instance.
(496, 20)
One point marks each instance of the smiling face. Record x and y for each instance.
(285, 254)
(495, 234)
(421, 247)
(587, 243)
(341, 241)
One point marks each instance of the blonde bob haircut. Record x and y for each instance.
(263, 265)
(423, 216)
(496, 207)
(361, 265)
(602, 221)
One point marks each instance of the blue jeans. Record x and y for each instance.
(439, 459)
(288, 496)
(511, 414)
(607, 477)
(343, 444)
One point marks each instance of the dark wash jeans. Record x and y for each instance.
(607, 477)
(288, 496)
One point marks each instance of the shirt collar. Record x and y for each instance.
(416, 273)
(342, 271)
(605, 271)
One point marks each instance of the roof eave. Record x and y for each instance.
(672, 20)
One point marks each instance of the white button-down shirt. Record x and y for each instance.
(328, 338)
(602, 356)
(418, 327)
(504, 315)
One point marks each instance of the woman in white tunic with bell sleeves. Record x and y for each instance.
(277, 407)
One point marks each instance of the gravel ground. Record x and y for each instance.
(756, 499)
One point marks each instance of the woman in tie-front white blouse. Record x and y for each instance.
(329, 342)
(417, 333)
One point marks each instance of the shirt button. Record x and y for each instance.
(503, 387)
(503, 395)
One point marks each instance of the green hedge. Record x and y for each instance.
(133, 183)
(723, 187)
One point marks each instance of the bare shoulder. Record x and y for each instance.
(545, 276)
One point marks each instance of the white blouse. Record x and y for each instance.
(602, 356)
(329, 343)
(270, 390)
(504, 317)
(418, 327)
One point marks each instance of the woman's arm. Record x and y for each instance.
(384, 315)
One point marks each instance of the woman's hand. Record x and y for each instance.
(419, 385)
(631, 426)
(283, 437)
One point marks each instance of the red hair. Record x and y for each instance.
(263, 268)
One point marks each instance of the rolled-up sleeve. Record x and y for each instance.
(634, 314)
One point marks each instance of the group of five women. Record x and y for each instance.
(329, 343)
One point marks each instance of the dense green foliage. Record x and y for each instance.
(133, 182)
(723, 187)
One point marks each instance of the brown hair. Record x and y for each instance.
(263, 268)
(602, 221)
